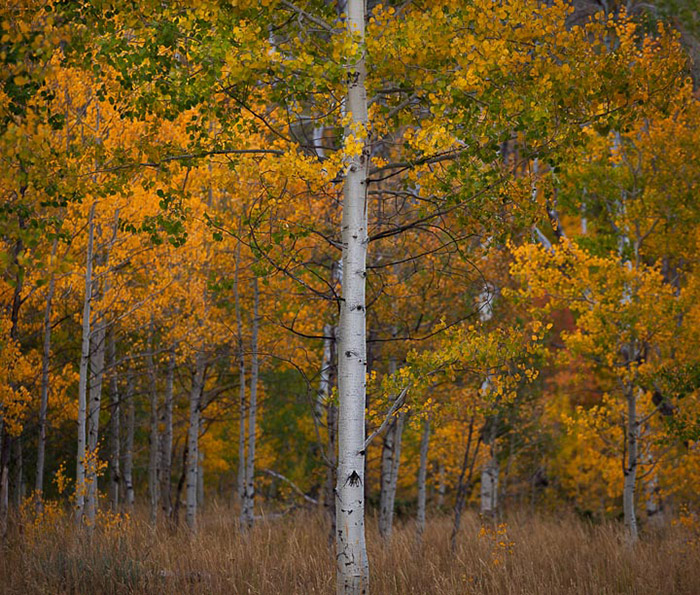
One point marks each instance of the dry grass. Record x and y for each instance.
(291, 555)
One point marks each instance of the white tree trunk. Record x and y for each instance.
(80, 485)
(240, 483)
(249, 499)
(631, 468)
(651, 489)
(154, 446)
(200, 471)
(391, 460)
(166, 457)
(489, 487)
(423, 475)
(43, 407)
(97, 361)
(351, 555)
(129, 446)
(324, 384)
(114, 440)
(489, 473)
(193, 441)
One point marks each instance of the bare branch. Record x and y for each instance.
(396, 405)
(294, 486)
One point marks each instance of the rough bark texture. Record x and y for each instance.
(351, 554)
(422, 475)
(80, 486)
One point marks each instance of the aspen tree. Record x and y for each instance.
(80, 473)
(351, 555)
(44, 403)
(166, 443)
(248, 509)
(114, 425)
(422, 476)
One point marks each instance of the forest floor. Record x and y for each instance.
(291, 555)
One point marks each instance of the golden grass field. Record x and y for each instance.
(291, 555)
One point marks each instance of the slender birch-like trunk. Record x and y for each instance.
(240, 480)
(391, 459)
(630, 471)
(651, 491)
(80, 486)
(249, 500)
(97, 360)
(166, 456)
(200, 471)
(129, 446)
(332, 446)
(464, 482)
(351, 554)
(324, 384)
(489, 475)
(6, 439)
(489, 487)
(441, 485)
(423, 475)
(154, 447)
(193, 441)
(44, 404)
(114, 440)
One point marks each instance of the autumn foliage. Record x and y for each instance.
(173, 239)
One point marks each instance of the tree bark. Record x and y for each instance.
(80, 486)
(351, 555)
(154, 446)
(97, 360)
(391, 459)
(240, 480)
(166, 458)
(114, 440)
(332, 446)
(129, 446)
(44, 404)
(249, 500)
(193, 442)
(464, 482)
(630, 471)
(422, 476)
(200, 471)
(489, 475)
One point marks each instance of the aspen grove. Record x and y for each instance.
(396, 272)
